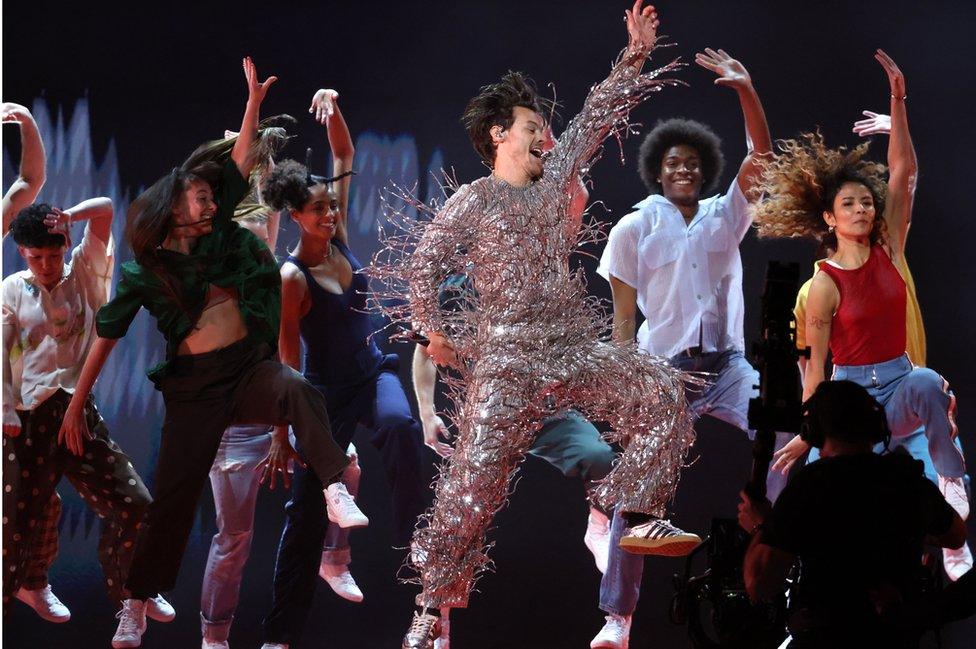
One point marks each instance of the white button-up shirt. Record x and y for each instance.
(53, 330)
(688, 278)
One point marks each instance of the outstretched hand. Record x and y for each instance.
(256, 90)
(74, 431)
(895, 78)
(786, 457)
(875, 124)
(730, 71)
(279, 460)
(435, 432)
(324, 103)
(642, 27)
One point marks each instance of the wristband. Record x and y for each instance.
(902, 98)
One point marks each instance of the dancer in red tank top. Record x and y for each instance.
(856, 304)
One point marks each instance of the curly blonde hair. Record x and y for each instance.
(798, 184)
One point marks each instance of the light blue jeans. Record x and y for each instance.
(726, 398)
(235, 485)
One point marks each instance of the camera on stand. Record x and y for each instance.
(714, 604)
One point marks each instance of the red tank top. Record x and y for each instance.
(869, 325)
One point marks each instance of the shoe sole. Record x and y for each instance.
(47, 618)
(160, 618)
(675, 547)
(351, 526)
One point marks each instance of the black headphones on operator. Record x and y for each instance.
(847, 411)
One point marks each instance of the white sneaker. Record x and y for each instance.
(273, 645)
(214, 644)
(157, 608)
(615, 634)
(342, 509)
(957, 563)
(45, 603)
(132, 624)
(659, 537)
(954, 491)
(341, 582)
(597, 538)
(444, 641)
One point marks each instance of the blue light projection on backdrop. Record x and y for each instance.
(126, 399)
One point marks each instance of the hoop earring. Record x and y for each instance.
(830, 229)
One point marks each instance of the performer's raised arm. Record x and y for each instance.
(609, 103)
(31, 178)
(902, 163)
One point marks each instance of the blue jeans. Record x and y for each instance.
(380, 404)
(726, 398)
(917, 402)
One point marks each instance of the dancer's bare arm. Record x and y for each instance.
(256, 91)
(97, 211)
(294, 293)
(822, 302)
(31, 178)
(424, 384)
(758, 143)
(325, 109)
(74, 428)
(11, 421)
(624, 311)
(902, 162)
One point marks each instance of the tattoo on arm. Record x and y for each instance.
(818, 323)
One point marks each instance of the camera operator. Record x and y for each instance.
(856, 521)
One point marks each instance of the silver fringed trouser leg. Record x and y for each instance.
(640, 396)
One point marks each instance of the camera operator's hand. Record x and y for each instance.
(789, 454)
(753, 513)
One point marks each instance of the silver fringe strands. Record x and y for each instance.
(530, 340)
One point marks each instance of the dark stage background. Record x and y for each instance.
(124, 92)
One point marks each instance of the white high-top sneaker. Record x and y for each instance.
(957, 563)
(157, 608)
(597, 538)
(341, 507)
(132, 624)
(615, 634)
(340, 580)
(45, 603)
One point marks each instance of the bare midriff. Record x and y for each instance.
(219, 325)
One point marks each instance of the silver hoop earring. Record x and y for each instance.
(830, 229)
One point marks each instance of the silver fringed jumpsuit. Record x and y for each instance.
(530, 341)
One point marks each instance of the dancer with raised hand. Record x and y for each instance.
(857, 301)
(48, 325)
(676, 259)
(324, 307)
(214, 290)
(526, 340)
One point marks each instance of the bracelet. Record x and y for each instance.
(902, 98)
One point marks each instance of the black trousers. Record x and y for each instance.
(204, 394)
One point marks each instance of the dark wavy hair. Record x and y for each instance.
(675, 131)
(494, 105)
(28, 228)
(150, 216)
(800, 183)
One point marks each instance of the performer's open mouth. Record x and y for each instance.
(536, 151)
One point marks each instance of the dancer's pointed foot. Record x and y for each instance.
(342, 508)
(424, 630)
(341, 581)
(659, 537)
